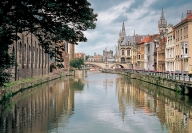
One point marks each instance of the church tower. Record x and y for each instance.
(162, 24)
(123, 33)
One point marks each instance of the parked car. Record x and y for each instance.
(190, 73)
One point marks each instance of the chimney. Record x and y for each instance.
(188, 13)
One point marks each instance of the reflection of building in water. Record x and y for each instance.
(107, 83)
(170, 114)
(177, 121)
(161, 112)
(38, 108)
(123, 93)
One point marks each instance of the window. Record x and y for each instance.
(185, 50)
(128, 52)
(122, 52)
(148, 49)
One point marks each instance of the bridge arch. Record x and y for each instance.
(103, 64)
(98, 65)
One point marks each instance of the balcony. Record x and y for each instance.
(184, 56)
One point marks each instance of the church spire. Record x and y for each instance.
(123, 30)
(182, 17)
(162, 15)
(162, 24)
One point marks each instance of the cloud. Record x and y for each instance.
(139, 15)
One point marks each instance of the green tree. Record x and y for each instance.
(86, 57)
(48, 20)
(77, 63)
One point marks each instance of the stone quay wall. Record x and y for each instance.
(28, 83)
(180, 86)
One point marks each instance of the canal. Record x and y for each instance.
(96, 103)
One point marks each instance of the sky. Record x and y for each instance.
(141, 16)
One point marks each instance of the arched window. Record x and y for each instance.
(20, 53)
(23, 56)
(33, 56)
(29, 55)
(13, 52)
(43, 58)
(36, 61)
(40, 58)
(128, 52)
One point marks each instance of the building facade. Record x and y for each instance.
(124, 47)
(149, 48)
(160, 44)
(183, 41)
(30, 57)
(107, 55)
(135, 50)
(79, 55)
(97, 58)
(169, 49)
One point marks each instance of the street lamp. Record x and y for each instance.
(157, 46)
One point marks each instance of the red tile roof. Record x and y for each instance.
(138, 38)
(149, 38)
(189, 17)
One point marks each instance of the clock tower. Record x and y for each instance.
(162, 24)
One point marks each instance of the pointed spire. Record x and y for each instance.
(123, 30)
(182, 17)
(162, 14)
(162, 23)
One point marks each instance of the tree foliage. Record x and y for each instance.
(86, 57)
(48, 20)
(77, 63)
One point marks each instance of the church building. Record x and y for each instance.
(127, 48)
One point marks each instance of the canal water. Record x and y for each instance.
(96, 103)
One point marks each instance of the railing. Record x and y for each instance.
(108, 62)
(176, 75)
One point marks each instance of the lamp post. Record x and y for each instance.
(157, 46)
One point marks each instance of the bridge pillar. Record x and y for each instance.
(186, 90)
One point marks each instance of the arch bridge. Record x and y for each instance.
(104, 65)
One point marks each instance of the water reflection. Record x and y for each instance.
(171, 113)
(38, 109)
(97, 103)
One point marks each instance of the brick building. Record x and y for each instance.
(79, 55)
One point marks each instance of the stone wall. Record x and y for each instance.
(30, 57)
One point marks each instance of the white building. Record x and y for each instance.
(169, 50)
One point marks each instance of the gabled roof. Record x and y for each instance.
(149, 38)
(146, 39)
(138, 38)
(126, 39)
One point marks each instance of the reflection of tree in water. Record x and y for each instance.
(77, 85)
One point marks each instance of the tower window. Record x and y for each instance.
(123, 52)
